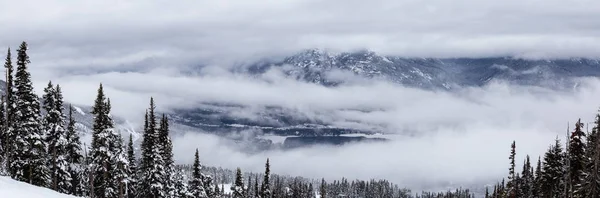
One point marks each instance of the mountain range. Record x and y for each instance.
(335, 69)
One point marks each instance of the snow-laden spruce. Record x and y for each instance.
(56, 138)
(28, 154)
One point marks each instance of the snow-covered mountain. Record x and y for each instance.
(333, 69)
(320, 66)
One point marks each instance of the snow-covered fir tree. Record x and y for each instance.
(74, 156)
(181, 186)
(552, 171)
(591, 178)
(8, 132)
(323, 189)
(527, 179)
(196, 184)
(265, 190)
(121, 171)
(167, 155)
(132, 185)
(28, 159)
(238, 189)
(152, 169)
(576, 156)
(104, 151)
(3, 137)
(512, 180)
(56, 138)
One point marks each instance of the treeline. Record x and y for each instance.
(572, 172)
(39, 145)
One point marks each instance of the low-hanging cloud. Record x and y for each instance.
(438, 137)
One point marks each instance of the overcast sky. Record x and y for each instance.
(82, 43)
(169, 33)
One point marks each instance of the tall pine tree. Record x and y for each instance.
(104, 151)
(238, 189)
(56, 139)
(576, 156)
(8, 132)
(512, 180)
(591, 178)
(552, 171)
(152, 170)
(74, 156)
(167, 155)
(265, 190)
(3, 137)
(28, 160)
(527, 179)
(196, 184)
(131, 187)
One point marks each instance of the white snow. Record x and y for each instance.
(78, 110)
(13, 188)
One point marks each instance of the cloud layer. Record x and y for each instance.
(165, 33)
(461, 137)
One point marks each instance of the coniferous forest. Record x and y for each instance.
(39, 145)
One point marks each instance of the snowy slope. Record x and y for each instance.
(13, 188)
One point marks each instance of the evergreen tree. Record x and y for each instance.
(167, 156)
(256, 188)
(511, 185)
(104, 151)
(238, 188)
(121, 171)
(8, 132)
(74, 157)
(56, 138)
(131, 186)
(3, 137)
(552, 171)
(266, 186)
(323, 189)
(196, 185)
(591, 178)
(538, 179)
(576, 156)
(527, 179)
(181, 186)
(28, 159)
(152, 170)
